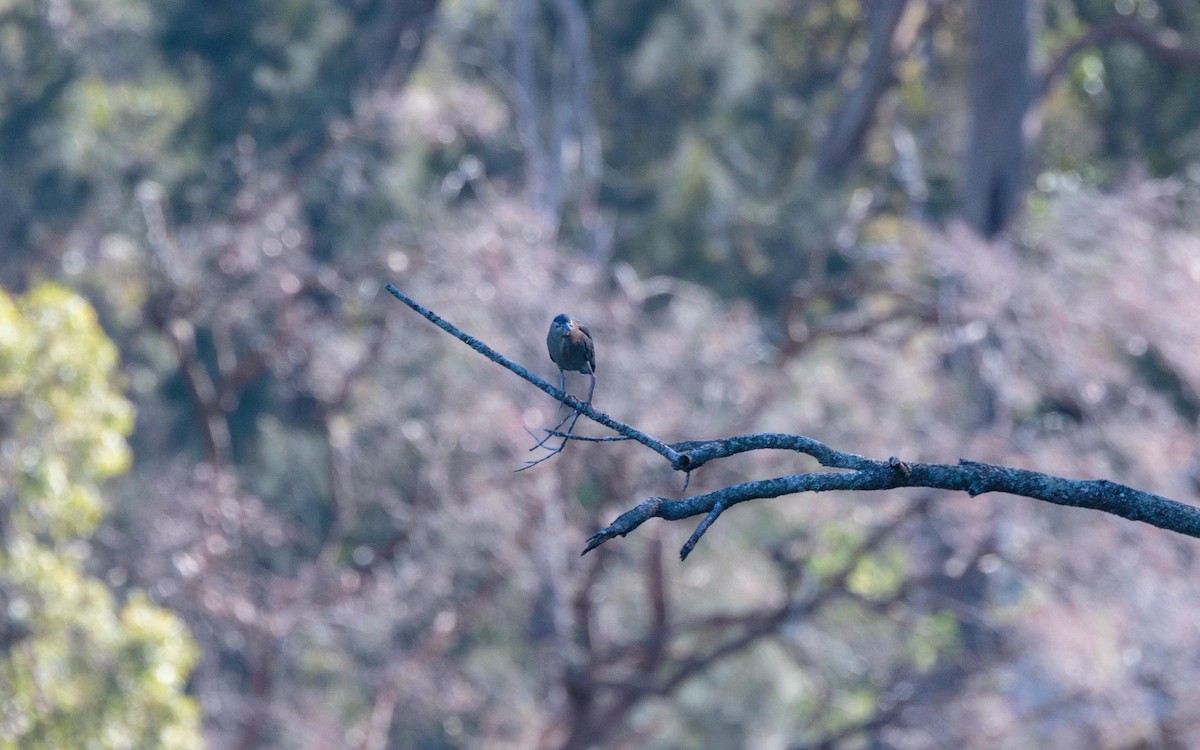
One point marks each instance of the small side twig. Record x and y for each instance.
(552, 451)
(699, 532)
(552, 432)
(590, 438)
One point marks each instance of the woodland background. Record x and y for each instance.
(247, 500)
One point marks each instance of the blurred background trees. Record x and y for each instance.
(932, 228)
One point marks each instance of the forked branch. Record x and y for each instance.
(860, 473)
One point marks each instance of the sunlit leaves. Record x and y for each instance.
(88, 675)
(75, 670)
(64, 422)
(117, 125)
(879, 576)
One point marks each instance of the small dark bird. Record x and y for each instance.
(571, 348)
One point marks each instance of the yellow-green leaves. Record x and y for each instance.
(63, 419)
(76, 669)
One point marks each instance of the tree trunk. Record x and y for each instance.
(1000, 91)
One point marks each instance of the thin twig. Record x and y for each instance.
(552, 432)
(553, 451)
(699, 532)
(590, 438)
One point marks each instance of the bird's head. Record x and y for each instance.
(563, 323)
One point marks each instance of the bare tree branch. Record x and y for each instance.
(861, 473)
(868, 474)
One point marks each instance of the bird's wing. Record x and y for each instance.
(589, 348)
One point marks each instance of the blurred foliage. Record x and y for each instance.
(1144, 106)
(65, 420)
(76, 669)
(321, 485)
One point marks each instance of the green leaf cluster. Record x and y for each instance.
(76, 669)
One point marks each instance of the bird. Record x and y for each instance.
(571, 348)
